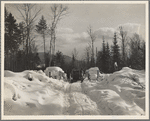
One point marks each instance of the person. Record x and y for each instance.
(115, 66)
(37, 60)
(89, 77)
(68, 74)
(98, 74)
(82, 74)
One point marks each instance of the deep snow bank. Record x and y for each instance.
(120, 93)
(33, 93)
(37, 96)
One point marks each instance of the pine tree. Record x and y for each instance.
(41, 29)
(11, 34)
(73, 61)
(107, 58)
(137, 52)
(59, 59)
(12, 41)
(6, 38)
(99, 60)
(115, 51)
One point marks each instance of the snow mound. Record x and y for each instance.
(54, 69)
(120, 93)
(55, 72)
(34, 93)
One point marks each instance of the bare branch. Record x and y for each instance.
(20, 13)
(35, 15)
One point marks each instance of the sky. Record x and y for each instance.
(104, 19)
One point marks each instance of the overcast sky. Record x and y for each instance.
(104, 19)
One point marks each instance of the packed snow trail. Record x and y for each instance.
(120, 93)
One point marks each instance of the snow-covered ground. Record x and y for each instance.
(33, 93)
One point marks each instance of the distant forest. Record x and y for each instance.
(129, 53)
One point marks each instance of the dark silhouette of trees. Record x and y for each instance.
(103, 58)
(137, 52)
(12, 40)
(74, 62)
(36, 60)
(99, 60)
(59, 59)
(107, 67)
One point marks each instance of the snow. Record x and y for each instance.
(55, 72)
(34, 93)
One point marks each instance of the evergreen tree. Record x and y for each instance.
(11, 34)
(137, 53)
(47, 59)
(73, 61)
(41, 29)
(12, 41)
(115, 51)
(99, 60)
(59, 59)
(6, 20)
(107, 67)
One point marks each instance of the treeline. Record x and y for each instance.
(21, 51)
(133, 57)
(125, 52)
(20, 48)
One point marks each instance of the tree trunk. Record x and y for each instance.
(54, 44)
(44, 49)
(50, 49)
(92, 53)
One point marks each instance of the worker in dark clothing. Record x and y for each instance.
(37, 60)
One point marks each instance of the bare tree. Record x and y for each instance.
(41, 28)
(93, 38)
(58, 11)
(28, 13)
(123, 38)
(88, 55)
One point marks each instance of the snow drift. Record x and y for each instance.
(34, 93)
